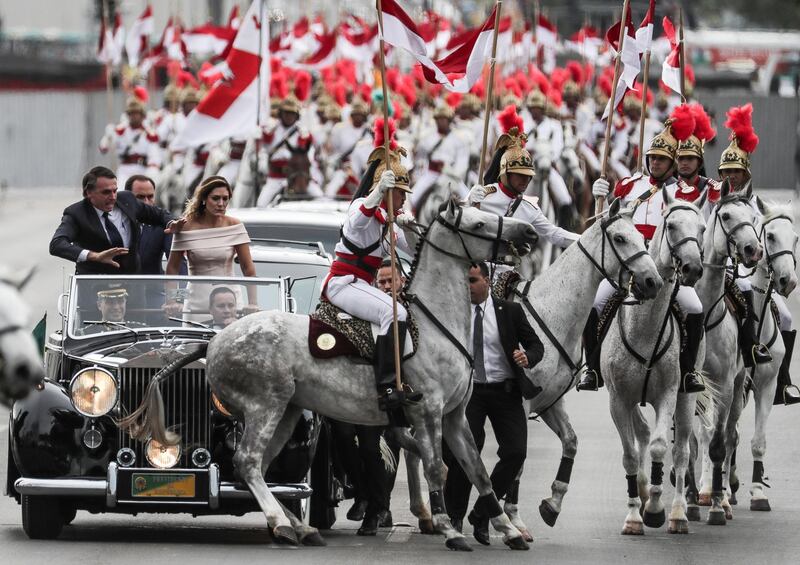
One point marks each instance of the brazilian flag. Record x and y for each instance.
(40, 333)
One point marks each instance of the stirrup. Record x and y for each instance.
(589, 381)
(698, 386)
(789, 398)
(760, 354)
(411, 396)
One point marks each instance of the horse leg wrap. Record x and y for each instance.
(656, 473)
(487, 505)
(512, 496)
(633, 487)
(758, 472)
(565, 469)
(437, 502)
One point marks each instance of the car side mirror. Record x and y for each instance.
(61, 304)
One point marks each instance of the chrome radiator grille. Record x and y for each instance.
(187, 408)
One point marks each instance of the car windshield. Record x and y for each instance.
(328, 235)
(305, 281)
(100, 304)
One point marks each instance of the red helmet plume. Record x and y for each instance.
(509, 118)
(702, 123)
(740, 122)
(682, 122)
(379, 139)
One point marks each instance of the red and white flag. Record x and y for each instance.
(644, 35)
(631, 62)
(458, 71)
(111, 43)
(231, 106)
(546, 33)
(138, 38)
(234, 21)
(324, 56)
(208, 40)
(357, 41)
(671, 67)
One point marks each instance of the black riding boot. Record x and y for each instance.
(691, 381)
(591, 379)
(752, 350)
(787, 393)
(390, 399)
(565, 217)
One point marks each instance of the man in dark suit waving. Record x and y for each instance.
(101, 233)
(498, 387)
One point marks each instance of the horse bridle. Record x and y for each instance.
(729, 233)
(601, 267)
(673, 247)
(771, 256)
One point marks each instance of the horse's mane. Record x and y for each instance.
(417, 248)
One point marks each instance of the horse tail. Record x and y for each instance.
(387, 456)
(147, 420)
(707, 401)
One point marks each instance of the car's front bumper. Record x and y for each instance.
(107, 488)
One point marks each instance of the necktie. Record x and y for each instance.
(113, 233)
(477, 346)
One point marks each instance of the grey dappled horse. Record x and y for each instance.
(776, 269)
(20, 362)
(261, 369)
(561, 298)
(676, 249)
(732, 235)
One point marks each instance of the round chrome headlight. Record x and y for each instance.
(93, 392)
(162, 456)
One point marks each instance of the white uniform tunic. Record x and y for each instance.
(545, 143)
(137, 150)
(341, 145)
(447, 162)
(349, 283)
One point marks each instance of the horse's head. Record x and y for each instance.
(780, 242)
(623, 255)
(733, 232)
(20, 363)
(481, 236)
(680, 245)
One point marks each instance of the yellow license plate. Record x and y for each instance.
(163, 485)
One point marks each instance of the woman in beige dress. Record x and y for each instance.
(209, 240)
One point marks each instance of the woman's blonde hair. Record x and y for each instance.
(196, 205)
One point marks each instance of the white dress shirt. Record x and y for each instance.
(120, 221)
(494, 357)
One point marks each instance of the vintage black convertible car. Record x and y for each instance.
(66, 452)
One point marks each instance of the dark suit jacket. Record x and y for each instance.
(81, 229)
(514, 329)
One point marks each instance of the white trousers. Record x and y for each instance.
(270, 189)
(428, 179)
(558, 188)
(362, 300)
(785, 316)
(124, 172)
(230, 171)
(687, 298)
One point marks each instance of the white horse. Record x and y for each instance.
(556, 304)
(430, 203)
(260, 367)
(20, 362)
(640, 363)
(775, 273)
(732, 235)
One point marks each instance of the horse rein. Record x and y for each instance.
(601, 266)
(673, 247)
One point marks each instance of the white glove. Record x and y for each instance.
(373, 199)
(476, 194)
(600, 188)
(543, 163)
(404, 218)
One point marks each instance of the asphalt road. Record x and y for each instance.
(587, 531)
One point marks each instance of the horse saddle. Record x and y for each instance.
(738, 306)
(504, 284)
(618, 299)
(332, 332)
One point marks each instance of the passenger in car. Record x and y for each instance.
(222, 306)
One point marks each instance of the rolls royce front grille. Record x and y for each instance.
(187, 408)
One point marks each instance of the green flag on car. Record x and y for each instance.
(40, 332)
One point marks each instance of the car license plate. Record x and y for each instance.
(163, 485)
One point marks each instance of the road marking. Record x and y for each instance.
(399, 535)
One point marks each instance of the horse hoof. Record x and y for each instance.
(704, 499)
(760, 505)
(693, 513)
(516, 543)
(678, 527)
(314, 539)
(732, 499)
(728, 512)
(458, 544)
(654, 519)
(284, 535)
(426, 527)
(633, 529)
(526, 535)
(548, 513)
(716, 518)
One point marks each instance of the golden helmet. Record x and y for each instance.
(470, 101)
(443, 111)
(743, 139)
(536, 99)
(190, 94)
(516, 158)
(133, 104)
(510, 100)
(734, 157)
(333, 112)
(402, 179)
(171, 93)
(692, 147)
(631, 102)
(571, 88)
(358, 106)
(289, 104)
(664, 143)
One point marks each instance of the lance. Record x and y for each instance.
(109, 93)
(263, 20)
(643, 117)
(487, 107)
(390, 207)
(623, 24)
(681, 56)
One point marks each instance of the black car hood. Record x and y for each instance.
(152, 353)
